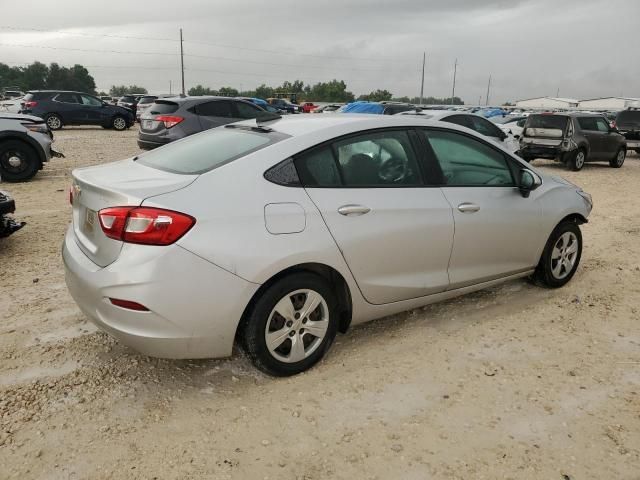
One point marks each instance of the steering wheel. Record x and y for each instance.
(393, 170)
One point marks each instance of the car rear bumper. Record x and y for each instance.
(7, 204)
(538, 151)
(194, 305)
(151, 144)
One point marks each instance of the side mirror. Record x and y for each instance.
(529, 181)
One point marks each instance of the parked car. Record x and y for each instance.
(106, 99)
(172, 119)
(145, 102)
(25, 145)
(377, 108)
(130, 101)
(328, 224)
(8, 224)
(60, 108)
(628, 124)
(573, 139)
(470, 120)
(308, 107)
(513, 124)
(283, 104)
(330, 108)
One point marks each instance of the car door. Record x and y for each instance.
(214, 113)
(589, 128)
(609, 142)
(69, 107)
(394, 232)
(497, 231)
(93, 110)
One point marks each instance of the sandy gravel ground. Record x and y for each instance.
(515, 382)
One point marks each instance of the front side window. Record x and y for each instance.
(588, 124)
(461, 120)
(465, 161)
(244, 110)
(602, 125)
(376, 159)
(90, 101)
(217, 108)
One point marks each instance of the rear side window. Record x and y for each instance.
(588, 124)
(318, 168)
(461, 120)
(163, 107)
(246, 110)
(485, 127)
(465, 161)
(67, 98)
(208, 150)
(629, 118)
(217, 108)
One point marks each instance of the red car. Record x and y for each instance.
(308, 107)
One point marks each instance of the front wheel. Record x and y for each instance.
(19, 162)
(119, 123)
(560, 257)
(618, 160)
(54, 122)
(292, 325)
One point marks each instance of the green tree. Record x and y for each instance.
(377, 96)
(34, 77)
(228, 92)
(120, 90)
(199, 90)
(333, 91)
(264, 91)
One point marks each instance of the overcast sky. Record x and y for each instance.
(583, 48)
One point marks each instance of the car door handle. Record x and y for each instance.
(468, 207)
(353, 210)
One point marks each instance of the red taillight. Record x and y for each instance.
(128, 304)
(169, 120)
(144, 225)
(30, 104)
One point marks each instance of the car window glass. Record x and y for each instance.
(67, 98)
(521, 122)
(317, 168)
(484, 127)
(588, 123)
(245, 110)
(90, 101)
(378, 159)
(465, 161)
(458, 120)
(217, 108)
(602, 125)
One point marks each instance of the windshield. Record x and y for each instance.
(145, 100)
(629, 118)
(208, 150)
(557, 122)
(502, 120)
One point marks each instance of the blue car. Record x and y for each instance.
(60, 108)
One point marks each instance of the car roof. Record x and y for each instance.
(60, 91)
(345, 123)
(436, 114)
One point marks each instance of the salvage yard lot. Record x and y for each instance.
(512, 382)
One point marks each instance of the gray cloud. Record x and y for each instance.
(584, 48)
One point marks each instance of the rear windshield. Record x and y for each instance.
(208, 150)
(145, 100)
(628, 117)
(557, 122)
(163, 106)
(128, 99)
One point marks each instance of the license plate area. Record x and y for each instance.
(90, 220)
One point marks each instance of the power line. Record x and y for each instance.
(236, 47)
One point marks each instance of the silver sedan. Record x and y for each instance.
(281, 232)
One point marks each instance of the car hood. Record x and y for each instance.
(20, 117)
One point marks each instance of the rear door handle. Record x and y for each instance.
(353, 210)
(468, 207)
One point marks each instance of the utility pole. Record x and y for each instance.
(169, 87)
(182, 62)
(488, 88)
(558, 93)
(480, 100)
(453, 90)
(424, 59)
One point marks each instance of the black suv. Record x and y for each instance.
(60, 108)
(573, 139)
(628, 124)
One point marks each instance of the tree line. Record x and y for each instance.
(39, 76)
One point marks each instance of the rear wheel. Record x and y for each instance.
(618, 160)
(54, 122)
(119, 123)
(292, 325)
(560, 257)
(577, 160)
(19, 162)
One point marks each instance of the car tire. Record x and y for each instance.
(618, 160)
(577, 160)
(279, 313)
(561, 256)
(54, 122)
(119, 123)
(19, 161)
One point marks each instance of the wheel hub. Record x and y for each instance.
(14, 161)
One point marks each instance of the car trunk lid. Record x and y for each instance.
(124, 183)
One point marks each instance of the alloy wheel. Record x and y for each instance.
(119, 123)
(297, 325)
(564, 255)
(54, 122)
(579, 160)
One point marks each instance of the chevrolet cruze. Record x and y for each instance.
(280, 232)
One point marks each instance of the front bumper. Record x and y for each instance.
(7, 224)
(194, 305)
